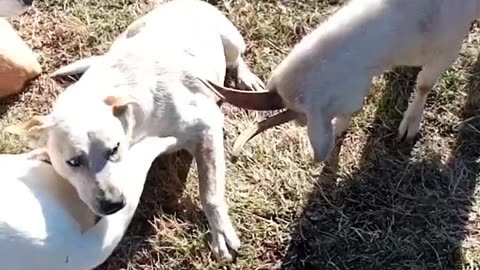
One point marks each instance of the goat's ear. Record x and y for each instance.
(35, 129)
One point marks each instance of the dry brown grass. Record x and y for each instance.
(379, 205)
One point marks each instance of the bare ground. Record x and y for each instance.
(378, 204)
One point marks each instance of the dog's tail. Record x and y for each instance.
(76, 68)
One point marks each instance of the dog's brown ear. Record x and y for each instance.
(119, 104)
(39, 154)
(35, 129)
(34, 125)
(123, 109)
(250, 100)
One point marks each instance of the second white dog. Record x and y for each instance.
(45, 225)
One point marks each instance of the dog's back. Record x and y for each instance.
(177, 41)
(180, 32)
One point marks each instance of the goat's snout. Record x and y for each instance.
(109, 206)
(27, 2)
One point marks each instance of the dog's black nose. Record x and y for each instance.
(27, 2)
(108, 207)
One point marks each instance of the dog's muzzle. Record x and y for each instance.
(108, 207)
(27, 2)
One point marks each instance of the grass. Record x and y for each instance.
(378, 204)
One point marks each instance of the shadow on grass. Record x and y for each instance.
(7, 102)
(398, 210)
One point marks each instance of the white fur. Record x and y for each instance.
(152, 67)
(329, 72)
(9, 8)
(45, 225)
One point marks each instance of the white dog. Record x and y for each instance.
(146, 86)
(326, 76)
(9, 8)
(45, 225)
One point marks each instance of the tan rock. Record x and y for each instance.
(18, 63)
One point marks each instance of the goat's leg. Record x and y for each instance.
(427, 77)
(340, 123)
(210, 158)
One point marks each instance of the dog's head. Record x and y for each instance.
(10, 8)
(83, 143)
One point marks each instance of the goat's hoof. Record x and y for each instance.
(405, 136)
(340, 125)
(409, 128)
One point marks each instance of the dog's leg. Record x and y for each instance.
(234, 47)
(210, 157)
(340, 123)
(245, 79)
(412, 118)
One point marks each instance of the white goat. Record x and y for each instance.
(45, 225)
(9, 8)
(145, 85)
(326, 76)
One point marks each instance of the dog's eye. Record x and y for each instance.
(114, 150)
(74, 162)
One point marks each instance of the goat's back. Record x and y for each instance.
(336, 61)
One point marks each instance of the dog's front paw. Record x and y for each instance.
(225, 245)
(250, 82)
(247, 80)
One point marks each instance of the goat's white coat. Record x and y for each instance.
(329, 72)
(41, 216)
(156, 68)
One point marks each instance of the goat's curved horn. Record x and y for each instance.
(250, 100)
(259, 127)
